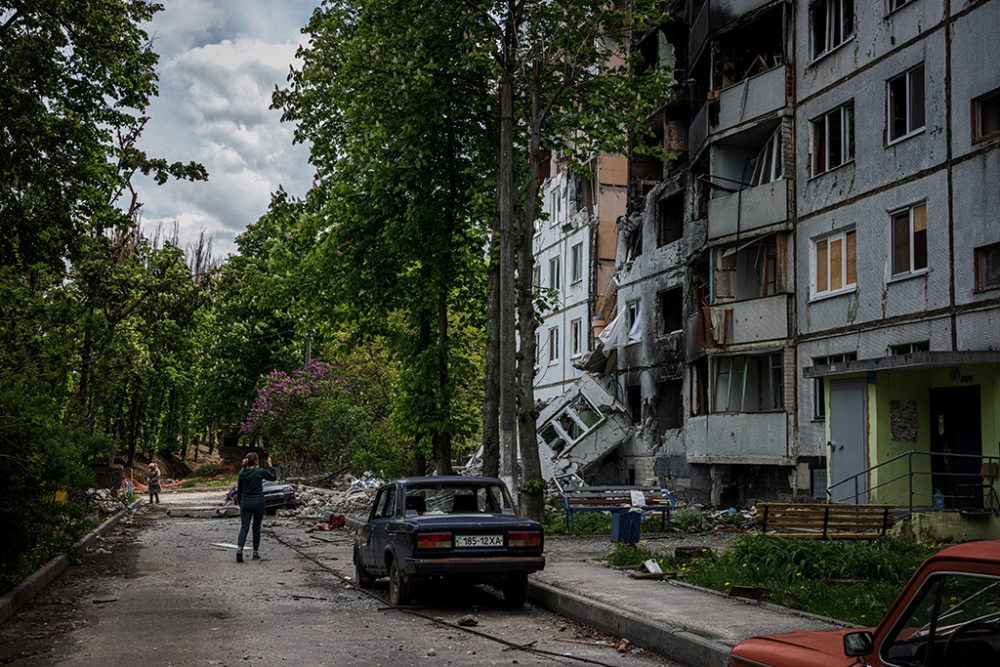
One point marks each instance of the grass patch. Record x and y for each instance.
(584, 523)
(55, 535)
(850, 581)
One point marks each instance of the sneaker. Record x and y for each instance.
(256, 556)
(239, 555)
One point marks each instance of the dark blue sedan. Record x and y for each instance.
(423, 528)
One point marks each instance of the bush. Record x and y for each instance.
(851, 581)
(624, 555)
(584, 523)
(687, 518)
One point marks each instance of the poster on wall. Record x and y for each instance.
(903, 420)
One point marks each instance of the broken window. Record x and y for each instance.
(576, 262)
(634, 320)
(833, 139)
(909, 240)
(986, 116)
(555, 273)
(906, 103)
(575, 336)
(767, 167)
(555, 206)
(751, 48)
(669, 220)
(669, 306)
(699, 387)
(896, 4)
(633, 396)
(573, 423)
(389, 503)
(553, 345)
(835, 263)
(751, 271)
(669, 404)
(749, 383)
(536, 276)
(832, 24)
(987, 261)
(909, 348)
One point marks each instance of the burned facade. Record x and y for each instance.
(808, 287)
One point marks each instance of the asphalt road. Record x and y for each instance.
(158, 591)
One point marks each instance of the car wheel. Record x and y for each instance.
(270, 511)
(399, 589)
(515, 590)
(361, 574)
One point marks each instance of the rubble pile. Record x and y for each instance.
(351, 497)
(103, 500)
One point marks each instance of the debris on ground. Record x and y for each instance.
(332, 522)
(468, 621)
(347, 495)
(103, 500)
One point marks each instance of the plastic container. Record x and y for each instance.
(625, 527)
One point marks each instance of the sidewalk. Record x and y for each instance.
(687, 624)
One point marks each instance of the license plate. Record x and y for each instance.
(479, 540)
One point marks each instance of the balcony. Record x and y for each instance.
(698, 132)
(751, 98)
(759, 438)
(748, 210)
(750, 321)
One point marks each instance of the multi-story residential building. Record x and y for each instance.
(574, 248)
(809, 286)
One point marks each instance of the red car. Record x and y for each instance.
(948, 615)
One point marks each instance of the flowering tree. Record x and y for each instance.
(313, 418)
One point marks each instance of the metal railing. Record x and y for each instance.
(981, 485)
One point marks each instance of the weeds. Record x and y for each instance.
(584, 523)
(851, 581)
(687, 518)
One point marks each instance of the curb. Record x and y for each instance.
(672, 642)
(24, 592)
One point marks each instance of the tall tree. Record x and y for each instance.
(392, 95)
(575, 89)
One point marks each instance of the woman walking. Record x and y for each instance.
(153, 481)
(250, 498)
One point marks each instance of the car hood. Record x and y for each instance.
(801, 648)
(277, 487)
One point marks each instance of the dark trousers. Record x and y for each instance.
(154, 492)
(250, 508)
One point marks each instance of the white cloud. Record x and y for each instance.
(220, 62)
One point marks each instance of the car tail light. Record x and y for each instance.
(434, 540)
(524, 539)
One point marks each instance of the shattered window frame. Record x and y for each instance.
(987, 267)
(748, 383)
(906, 115)
(986, 107)
(575, 336)
(576, 263)
(553, 345)
(908, 236)
(768, 165)
(832, 143)
(574, 412)
(831, 25)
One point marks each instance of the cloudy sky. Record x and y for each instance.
(219, 63)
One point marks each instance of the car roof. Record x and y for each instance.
(448, 479)
(980, 550)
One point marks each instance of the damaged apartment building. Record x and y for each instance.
(809, 286)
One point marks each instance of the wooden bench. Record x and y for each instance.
(617, 499)
(824, 520)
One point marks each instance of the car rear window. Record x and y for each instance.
(457, 499)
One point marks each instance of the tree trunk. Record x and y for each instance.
(532, 497)
(505, 210)
(491, 404)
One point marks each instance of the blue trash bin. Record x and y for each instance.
(625, 526)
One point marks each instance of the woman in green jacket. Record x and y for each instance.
(250, 498)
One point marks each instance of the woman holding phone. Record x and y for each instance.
(250, 498)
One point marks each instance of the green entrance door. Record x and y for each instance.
(956, 428)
